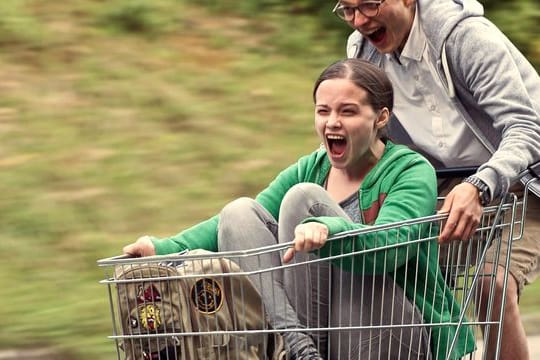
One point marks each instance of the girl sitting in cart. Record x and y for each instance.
(356, 179)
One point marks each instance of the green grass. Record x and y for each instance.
(123, 118)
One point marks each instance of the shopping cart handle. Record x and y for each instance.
(456, 172)
(535, 169)
(459, 172)
(118, 257)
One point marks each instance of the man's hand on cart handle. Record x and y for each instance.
(465, 210)
(142, 247)
(307, 237)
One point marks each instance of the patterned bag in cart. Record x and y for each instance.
(159, 302)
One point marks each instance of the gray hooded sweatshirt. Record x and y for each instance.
(493, 86)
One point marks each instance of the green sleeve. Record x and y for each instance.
(204, 234)
(304, 170)
(412, 195)
(200, 236)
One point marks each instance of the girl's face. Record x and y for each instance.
(346, 123)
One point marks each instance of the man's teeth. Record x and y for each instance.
(369, 33)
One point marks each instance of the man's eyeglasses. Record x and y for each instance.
(368, 8)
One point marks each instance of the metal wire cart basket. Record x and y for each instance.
(202, 305)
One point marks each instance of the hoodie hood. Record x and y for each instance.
(441, 16)
(437, 17)
(395, 159)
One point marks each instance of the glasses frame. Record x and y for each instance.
(340, 6)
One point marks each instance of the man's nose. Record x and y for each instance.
(359, 19)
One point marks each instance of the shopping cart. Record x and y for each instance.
(172, 307)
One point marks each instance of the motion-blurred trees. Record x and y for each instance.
(518, 19)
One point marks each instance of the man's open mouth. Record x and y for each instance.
(377, 35)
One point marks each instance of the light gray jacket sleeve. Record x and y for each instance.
(500, 92)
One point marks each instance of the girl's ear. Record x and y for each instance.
(383, 118)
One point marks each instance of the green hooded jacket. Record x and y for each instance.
(401, 186)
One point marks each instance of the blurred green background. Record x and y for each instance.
(120, 118)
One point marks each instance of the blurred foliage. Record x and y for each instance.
(125, 117)
(18, 26)
(146, 18)
(520, 21)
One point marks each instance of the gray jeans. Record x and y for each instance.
(320, 295)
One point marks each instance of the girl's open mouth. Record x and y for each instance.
(337, 145)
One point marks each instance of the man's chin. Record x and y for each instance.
(383, 48)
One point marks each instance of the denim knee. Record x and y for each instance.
(238, 207)
(235, 212)
(245, 224)
(301, 194)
